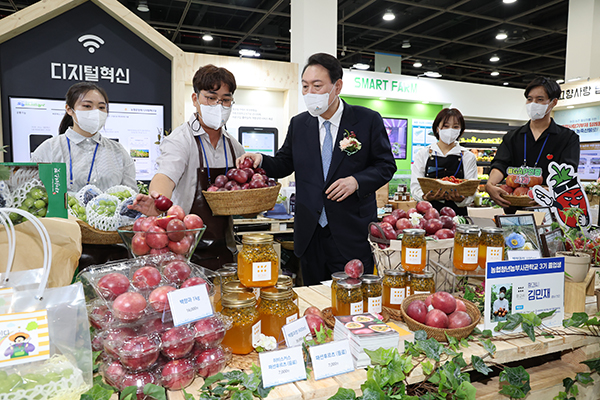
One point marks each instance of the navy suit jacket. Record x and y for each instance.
(372, 167)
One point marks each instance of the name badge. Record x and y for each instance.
(189, 304)
(282, 366)
(295, 332)
(331, 359)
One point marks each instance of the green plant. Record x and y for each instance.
(235, 385)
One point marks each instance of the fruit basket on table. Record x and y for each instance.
(248, 202)
(518, 201)
(464, 187)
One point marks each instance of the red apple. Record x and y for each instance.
(436, 318)
(417, 310)
(101, 317)
(448, 211)
(156, 252)
(257, 184)
(156, 325)
(230, 173)
(113, 373)
(162, 203)
(177, 272)
(220, 181)
(157, 238)
(129, 307)
(210, 332)
(112, 285)
(428, 301)
(139, 247)
(375, 232)
(247, 163)
(506, 188)
(403, 223)
(146, 278)
(423, 206)
(313, 310)
(259, 171)
(245, 186)
(175, 230)
(177, 374)
(431, 213)
(458, 319)
(521, 191)
(158, 298)
(400, 213)
(192, 221)
(444, 234)
(535, 180)
(444, 301)
(211, 361)
(240, 176)
(138, 379)
(140, 352)
(114, 338)
(412, 211)
(447, 221)
(511, 181)
(460, 305)
(229, 185)
(181, 247)
(249, 172)
(213, 188)
(176, 211)
(148, 223)
(391, 219)
(433, 225)
(137, 225)
(177, 342)
(315, 323)
(354, 268)
(193, 281)
(162, 222)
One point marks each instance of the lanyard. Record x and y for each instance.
(204, 151)
(539, 155)
(457, 169)
(71, 163)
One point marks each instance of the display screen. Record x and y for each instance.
(589, 161)
(135, 126)
(258, 140)
(397, 133)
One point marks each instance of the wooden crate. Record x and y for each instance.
(382, 195)
(575, 292)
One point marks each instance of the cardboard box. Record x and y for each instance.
(404, 205)
(382, 195)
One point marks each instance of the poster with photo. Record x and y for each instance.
(421, 135)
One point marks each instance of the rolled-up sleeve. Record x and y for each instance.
(502, 159)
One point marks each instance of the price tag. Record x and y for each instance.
(189, 304)
(282, 366)
(295, 332)
(331, 359)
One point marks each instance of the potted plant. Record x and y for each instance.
(580, 248)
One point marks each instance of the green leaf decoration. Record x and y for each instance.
(562, 175)
(487, 333)
(464, 342)
(593, 364)
(129, 393)
(372, 392)
(465, 391)
(381, 356)
(452, 341)
(500, 326)
(584, 378)
(518, 382)
(532, 318)
(513, 321)
(242, 395)
(396, 369)
(187, 396)
(420, 335)
(155, 391)
(427, 367)
(251, 381)
(432, 348)
(576, 320)
(479, 365)
(546, 314)
(234, 377)
(488, 346)
(528, 329)
(98, 392)
(547, 335)
(212, 379)
(379, 375)
(344, 394)
(32, 326)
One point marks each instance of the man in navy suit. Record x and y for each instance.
(335, 183)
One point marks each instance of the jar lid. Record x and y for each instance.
(472, 230)
(414, 232)
(257, 238)
(235, 287)
(226, 272)
(349, 283)
(492, 230)
(275, 293)
(284, 281)
(336, 276)
(232, 266)
(238, 300)
(462, 228)
(368, 278)
(394, 272)
(422, 275)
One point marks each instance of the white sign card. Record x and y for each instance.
(282, 366)
(24, 338)
(331, 359)
(524, 286)
(189, 304)
(295, 332)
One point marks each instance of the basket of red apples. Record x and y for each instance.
(439, 314)
(242, 191)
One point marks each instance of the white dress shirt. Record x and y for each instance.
(112, 164)
(335, 120)
(179, 159)
(469, 166)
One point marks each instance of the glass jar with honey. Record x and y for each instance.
(258, 263)
(245, 328)
(395, 285)
(231, 287)
(466, 248)
(491, 245)
(335, 277)
(414, 252)
(286, 282)
(349, 299)
(421, 283)
(224, 275)
(372, 292)
(275, 310)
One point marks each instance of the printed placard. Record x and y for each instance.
(189, 304)
(470, 255)
(24, 338)
(374, 304)
(5, 296)
(331, 359)
(295, 332)
(261, 271)
(282, 366)
(515, 255)
(397, 295)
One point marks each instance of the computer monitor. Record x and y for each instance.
(397, 133)
(258, 139)
(589, 161)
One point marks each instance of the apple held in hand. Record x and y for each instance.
(162, 203)
(247, 163)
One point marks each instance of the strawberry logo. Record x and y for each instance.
(549, 156)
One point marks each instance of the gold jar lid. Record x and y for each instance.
(285, 282)
(349, 283)
(462, 228)
(235, 287)
(369, 278)
(257, 238)
(336, 276)
(275, 293)
(492, 230)
(238, 300)
(226, 272)
(414, 232)
(394, 272)
(472, 230)
(422, 275)
(231, 266)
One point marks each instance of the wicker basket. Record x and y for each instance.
(91, 235)
(518, 201)
(466, 188)
(242, 202)
(438, 333)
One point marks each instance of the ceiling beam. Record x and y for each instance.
(259, 23)
(239, 8)
(183, 15)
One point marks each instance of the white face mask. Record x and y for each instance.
(501, 296)
(214, 117)
(536, 111)
(449, 136)
(90, 121)
(317, 104)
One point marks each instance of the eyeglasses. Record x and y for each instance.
(213, 101)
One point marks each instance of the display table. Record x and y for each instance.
(274, 226)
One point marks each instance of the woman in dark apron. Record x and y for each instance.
(440, 167)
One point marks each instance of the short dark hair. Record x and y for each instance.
(210, 77)
(550, 86)
(327, 61)
(502, 289)
(444, 116)
(74, 93)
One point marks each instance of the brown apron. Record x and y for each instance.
(217, 245)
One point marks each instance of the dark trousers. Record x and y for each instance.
(322, 258)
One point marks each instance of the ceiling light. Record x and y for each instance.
(406, 44)
(494, 58)
(501, 35)
(509, 1)
(505, 83)
(249, 53)
(417, 64)
(143, 6)
(360, 65)
(559, 81)
(577, 78)
(383, 98)
(207, 37)
(494, 73)
(570, 106)
(432, 74)
(389, 16)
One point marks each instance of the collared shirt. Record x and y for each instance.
(562, 146)
(335, 120)
(112, 165)
(418, 168)
(179, 159)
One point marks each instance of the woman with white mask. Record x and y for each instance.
(192, 156)
(91, 157)
(442, 159)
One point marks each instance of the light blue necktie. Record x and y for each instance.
(326, 158)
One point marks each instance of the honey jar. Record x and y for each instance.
(414, 253)
(224, 275)
(491, 246)
(286, 282)
(395, 286)
(421, 283)
(466, 248)
(245, 328)
(258, 263)
(349, 299)
(275, 310)
(372, 292)
(335, 277)
(231, 287)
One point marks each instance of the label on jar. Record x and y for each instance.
(291, 318)
(413, 256)
(256, 292)
(374, 304)
(261, 271)
(470, 255)
(493, 254)
(356, 308)
(408, 291)
(397, 295)
(421, 292)
(256, 331)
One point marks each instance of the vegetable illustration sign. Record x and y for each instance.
(564, 191)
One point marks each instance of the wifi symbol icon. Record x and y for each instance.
(91, 42)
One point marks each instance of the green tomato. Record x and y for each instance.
(41, 212)
(28, 202)
(37, 193)
(39, 204)
(14, 217)
(53, 376)
(67, 372)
